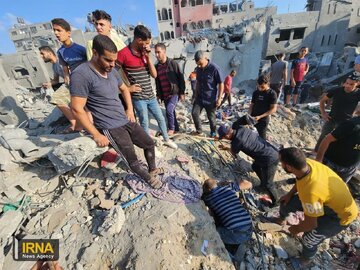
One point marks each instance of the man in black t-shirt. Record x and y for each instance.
(265, 156)
(263, 104)
(344, 102)
(340, 150)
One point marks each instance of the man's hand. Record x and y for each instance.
(325, 116)
(182, 98)
(67, 80)
(293, 83)
(285, 199)
(48, 265)
(101, 140)
(130, 115)
(46, 85)
(147, 51)
(134, 88)
(218, 102)
(257, 118)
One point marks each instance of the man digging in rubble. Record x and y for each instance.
(344, 102)
(233, 222)
(325, 199)
(95, 84)
(264, 154)
(208, 92)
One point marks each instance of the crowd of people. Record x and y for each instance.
(107, 89)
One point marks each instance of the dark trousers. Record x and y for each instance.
(328, 226)
(170, 105)
(346, 173)
(266, 175)
(210, 111)
(227, 97)
(262, 125)
(123, 140)
(328, 127)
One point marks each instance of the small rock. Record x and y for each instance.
(336, 250)
(346, 239)
(357, 243)
(355, 226)
(327, 256)
(78, 190)
(280, 252)
(94, 202)
(113, 221)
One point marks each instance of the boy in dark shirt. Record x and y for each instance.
(264, 154)
(340, 150)
(344, 102)
(263, 104)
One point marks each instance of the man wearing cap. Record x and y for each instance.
(208, 92)
(264, 154)
(344, 102)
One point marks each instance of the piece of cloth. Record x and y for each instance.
(72, 56)
(164, 89)
(102, 95)
(171, 75)
(123, 140)
(58, 69)
(113, 36)
(277, 72)
(299, 66)
(254, 146)
(323, 187)
(177, 188)
(343, 104)
(170, 105)
(61, 96)
(227, 84)
(207, 79)
(227, 208)
(262, 100)
(137, 72)
(143, 107)
(345, 151)
(328, 127)
(328, 225)
(210, 111)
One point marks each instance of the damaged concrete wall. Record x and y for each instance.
(11, 111)
(26, 68)
(354, 24)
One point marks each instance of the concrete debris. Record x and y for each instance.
(113, 222)
(10, 217)
(280, 252)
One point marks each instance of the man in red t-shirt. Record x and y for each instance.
(227, 87)
(299, 69)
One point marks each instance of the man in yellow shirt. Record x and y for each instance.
(323, 196)
(102, 23)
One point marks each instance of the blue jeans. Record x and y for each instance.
(142, 108)
(170, 105)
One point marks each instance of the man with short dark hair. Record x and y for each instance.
(340, 149)
(170, 85)
(344, 102)
(263, 104)
(102, 23)
(96, 85)
(325, 199)
(49, 56)
(278, 74)
(136, 61)
(264, 154)
(228, 86)
(208, 92)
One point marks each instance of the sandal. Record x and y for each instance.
(197, 133)
(157, 171)
(155, 183)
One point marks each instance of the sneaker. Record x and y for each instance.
(171, 144)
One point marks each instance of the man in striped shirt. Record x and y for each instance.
(136, 61)
(233, 222)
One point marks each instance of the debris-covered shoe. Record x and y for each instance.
(155, 183)
(171, 144)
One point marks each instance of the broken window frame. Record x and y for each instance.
(167, 35)
(299, 33)
(164, 14)
(283, 37)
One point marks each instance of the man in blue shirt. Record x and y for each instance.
(208, 92)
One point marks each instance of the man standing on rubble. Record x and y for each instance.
(136, 61)
(340, 149)
(170, 85)
(325, 199)
(279, 74)
(228, 86)
(263, 104)
(96, 85)
(208, 92)
(49, 56)
(299, 69)
(265, 156)
(344, 102)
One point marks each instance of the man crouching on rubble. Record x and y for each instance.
(95, 85)
(233, 222)
(325, 199)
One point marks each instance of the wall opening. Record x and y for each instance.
(183, 3)
(159, 15)
(335, 8)
(177, 24)
(200, 25)
(162, 36)
(176, 2)
(20, 71)
(199, 2)
(164, 14)
(185, 27)
(167, 35)
(192, 3)
(207, 24)
(236, 38)
(335, 39)
(329, 40)
(170, 14)
(193, 25)
(329, 9)
(285, 34)
(172, 35)
(322, 41)
(299, 33)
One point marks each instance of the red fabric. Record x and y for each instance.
(227, 84)
(128, 59)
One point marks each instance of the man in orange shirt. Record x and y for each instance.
(227, 87)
